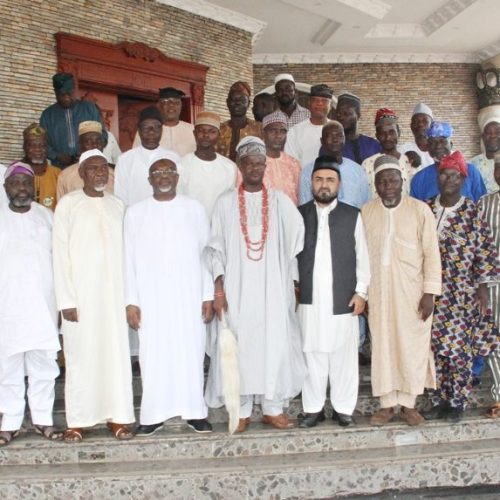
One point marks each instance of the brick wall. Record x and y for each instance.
(447, 88)
(28, 58)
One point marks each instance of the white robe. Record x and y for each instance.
(88, 271)
(303, 142)
(261, 298)
(168, 279)
(28, 316)
(204, 180)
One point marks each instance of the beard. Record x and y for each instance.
(21, 202)
(324, 198)
(100, 188)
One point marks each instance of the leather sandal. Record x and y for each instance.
(48, 432)
(122, 432)
(73, 435)
(278, 421)
(7, 436)
(243, 424)
(493, 411)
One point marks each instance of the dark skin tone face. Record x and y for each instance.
(36, 150)
(150, 133)
(388, 134)
(286, 94)
(450, 183)
(389, 186)
(275, 138)
(91, 140)
(65, 99)
(496, 172)
(95, 173)
(163, 178)
(252, 170)
(419, 125)
(439, 147)
(319, 107)
(348, 116)
(206, 137)
(332, 140)
(170, 109)
(491, 139)
(237, 103)
(262, 106)
(20, 190)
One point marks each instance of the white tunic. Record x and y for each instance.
(322, 331)
(179, 138)
(88, 271)
(260, 295)
(112, 150)
(132, 172)
(204, 180)
(167, 278)
(304, 142)
(28, 316)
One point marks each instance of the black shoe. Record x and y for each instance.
(201, 426)
(312, 419)
(363, 359)
(148, 430)
(454, 415)
(342, 419)
(437, 412)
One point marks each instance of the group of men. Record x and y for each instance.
(197, 229)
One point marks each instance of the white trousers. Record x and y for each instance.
(269, 406)
(341, 368)
(41, 369)
(494, 362)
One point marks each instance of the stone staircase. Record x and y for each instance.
(324, 462)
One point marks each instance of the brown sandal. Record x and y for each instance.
(48, 432)
(493, 411)
(121, 432)
(73, 436)
(7, 436)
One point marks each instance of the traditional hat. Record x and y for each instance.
(488, 115)
(321, 90)
(249, 146)
(63, 82)
(440, 129)
(90, 154)
(386, 162)
(274, 117)
(89, 126)
(208, 118)
(385, 113)
(167, 92)
(34, 131)
(165, 155)
(422, 109)
(284, 76)
(240, 86)
(454, 161)
(150, 113)
(18, 167)
(326, 162)
(350, 98)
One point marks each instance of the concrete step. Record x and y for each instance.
(316, 474)
(179, 442)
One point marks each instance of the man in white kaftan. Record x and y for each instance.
(88, 270)
(406, 274)
(256, 276)
(334, 277)
(131, 173)
(169, 294)
(28, 316)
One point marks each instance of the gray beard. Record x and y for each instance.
(21, 203)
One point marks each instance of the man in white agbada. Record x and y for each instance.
(256, 236)
(204, 175)
(334, 275)
(28, 316)
(88, 271)
(169, 296)
(131, 172)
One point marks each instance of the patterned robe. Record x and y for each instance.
(468, 258)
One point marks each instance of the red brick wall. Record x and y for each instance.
(447, 88)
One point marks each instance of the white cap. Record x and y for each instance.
(90, 154)
(284, 76)
(423, 109)
(165, 155)
(488, 115)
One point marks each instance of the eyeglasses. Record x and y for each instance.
(170, 100)
(163, 173)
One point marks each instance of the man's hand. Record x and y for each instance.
(220, 304)
(70, 314)
(134, 317)
(207, 311)
(426, 306)
(483, 298)
(414, 159)
(358, 303)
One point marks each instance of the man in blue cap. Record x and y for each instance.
(61, 121)
(424, 184)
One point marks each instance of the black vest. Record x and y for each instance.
(342, 222)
